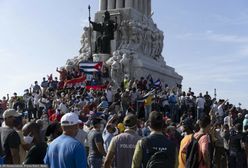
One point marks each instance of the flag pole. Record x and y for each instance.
(215, 93)
(90, 35)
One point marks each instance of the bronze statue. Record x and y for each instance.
(106, 30)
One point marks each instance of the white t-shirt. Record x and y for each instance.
(63, 108)
(36, 98)
(220, 111)
(109, 95)
(228, 120)
(200, 101)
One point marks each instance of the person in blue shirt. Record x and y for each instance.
(65, 151)
(109, 132)
(104, 104)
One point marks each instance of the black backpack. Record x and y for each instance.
(192, 153)
(2, 153)
(158, 159)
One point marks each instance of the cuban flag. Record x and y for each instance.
(142, 99)
(157, 83)
(90, 67)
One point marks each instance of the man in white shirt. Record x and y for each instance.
(63, 108)
(109, 96)
(228, 120)
(220, 111)
(200, 102)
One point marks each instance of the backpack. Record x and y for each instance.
(158, 159)
(192, 153)
(2, 153)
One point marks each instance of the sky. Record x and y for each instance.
(205, 41)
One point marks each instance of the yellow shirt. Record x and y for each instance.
(182, 153)
(126, 83)
(148, 101)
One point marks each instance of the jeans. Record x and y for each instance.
(174, 114)
(95, 162)
(148, 109)
(237, 159)
(200, 113)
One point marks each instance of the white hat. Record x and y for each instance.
(70, 119)
(10, 113)
(246, 116)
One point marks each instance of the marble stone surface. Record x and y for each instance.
(119, 4)
(100, 57)
(102, 5)
(111, 4)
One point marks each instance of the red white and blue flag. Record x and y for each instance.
(90, 67)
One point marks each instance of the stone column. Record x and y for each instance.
(128, 3)
(141, 6)
(119, 4)
(136, 5)
(102, 5)
(149, 7)
(145, 7)
(111, 4)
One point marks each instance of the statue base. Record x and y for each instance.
(100, 57)
(143, 66)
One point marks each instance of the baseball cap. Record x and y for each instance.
(246, 116)
(10, 113)
(130, 120)
(70, 119)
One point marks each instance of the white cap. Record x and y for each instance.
(10, 113)
(246, 116)
(70, 119)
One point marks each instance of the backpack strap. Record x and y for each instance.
(198, 138)
(1, 146)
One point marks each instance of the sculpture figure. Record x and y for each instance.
(85, 46)
(126, 64)
(124, 34)
(114, 72)
(115, 56)
(106, 30)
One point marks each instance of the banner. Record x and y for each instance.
(97, 87)
(75, 82)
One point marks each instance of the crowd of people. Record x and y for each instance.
(138, 125)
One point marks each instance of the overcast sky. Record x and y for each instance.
(205, 41)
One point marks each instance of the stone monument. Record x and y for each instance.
(136, 49)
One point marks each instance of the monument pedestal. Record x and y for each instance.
(144, 66)
(100, 57)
